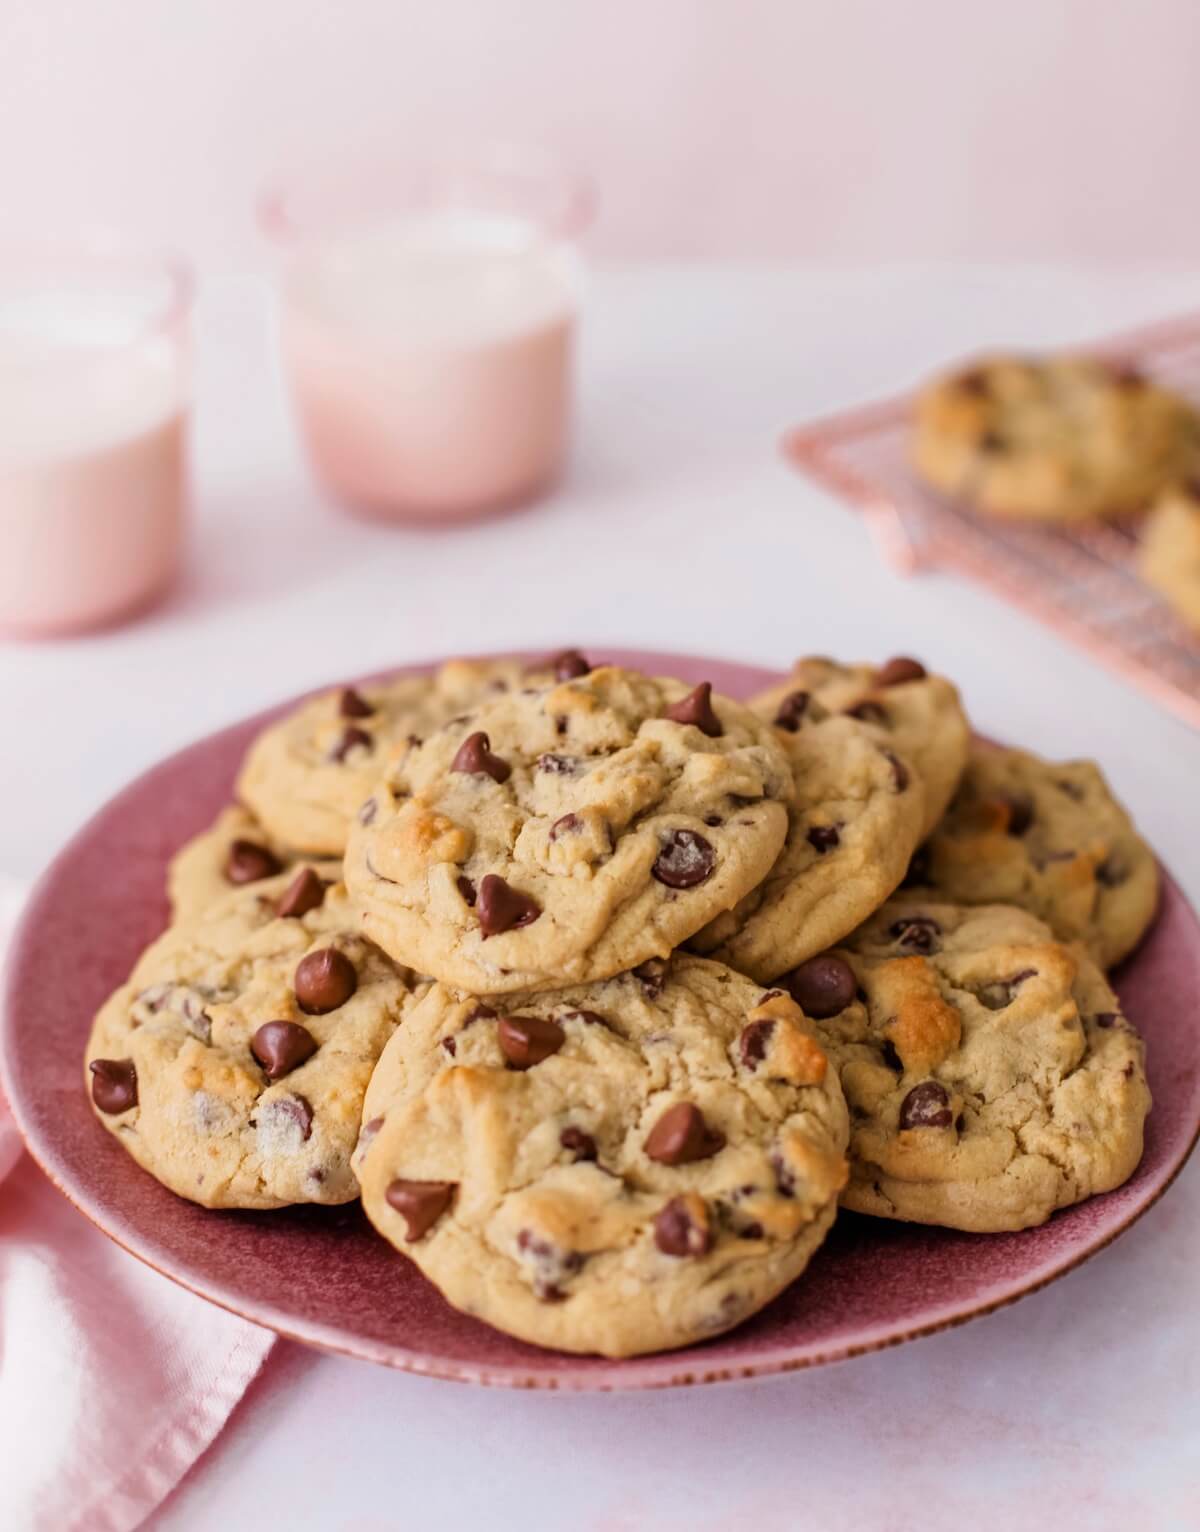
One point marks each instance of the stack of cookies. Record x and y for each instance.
(604, 991)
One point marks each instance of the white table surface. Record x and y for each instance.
(679, 528)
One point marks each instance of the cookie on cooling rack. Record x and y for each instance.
(1059, 438)
(990, 1075)
(1169, 559)
(1050, 837)
(618, 1167)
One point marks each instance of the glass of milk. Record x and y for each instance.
(427, 314)
(93, 411)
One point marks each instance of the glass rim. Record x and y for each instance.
(576, 203)
(96, 249)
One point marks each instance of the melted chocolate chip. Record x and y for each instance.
(652, 975)
(569, 665)
(589, 1018)
(1106, 1019)
(420, 1204)
(366, 814)
(501, 908)
(791, 711)
(685, 859)
(114, 1085)
(868, 712)
(304, 893)
(352, 704)
(366, 1134)
(823, 838)
(558, 765)
(247, 862)
(567, 825)
(681, 1135)
(281, 1046)
(678, 1232)
(1112, 872)
(1000, 995)
(916, 933)
(528, 1040)
(467, 889)
(754, 1042)
(926, 1106)
(823, 986)
(898, 670)
(352, 738)
(474, 758)
(890, 1057)
(582, 1145)
(1020, 812)
(900, 776)
(696, 708)
(324, 980)
(286, 1114)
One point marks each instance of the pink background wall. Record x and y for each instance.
(823, 130)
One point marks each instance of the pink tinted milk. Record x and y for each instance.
(430, 363)
(92, 470)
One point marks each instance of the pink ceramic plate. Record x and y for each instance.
(323, 1277)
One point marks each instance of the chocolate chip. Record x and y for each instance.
(899, 670)
(754, 1042)
(114, 1085)
(589, 1018)
(679, 1231)
(1020, 812)
(569, 665)
(582, 1145)
(899, 771)
(467, 889)
(567, 825)
(1000, 995)
(696, 708)
(304, 893)
(1112, 872)
(366, 1133)
(352, 738)
(926, 1106)
(366, 814)
(474, 757)
(324, 980)
(352, 704)
(501, 908)
(420, 1203)
(685, 860)
(247, 862)
(1106, 1019)
(823, 838)
(558, 765)
(868, 712)
(281, 1046)
(681, 1135)
(791, 711)
(652, 975)
(917, 933)
(528, 1040)
(823, 986)
(713, 821)
(890, 1057)
(286, 1114)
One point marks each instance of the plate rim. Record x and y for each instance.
(679, 1368)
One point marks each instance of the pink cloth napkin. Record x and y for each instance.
(113, 1380)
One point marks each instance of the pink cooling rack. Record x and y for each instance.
(1081, 580)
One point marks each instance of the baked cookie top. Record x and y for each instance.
(233, 852)
(1050, 837)
(854, 819)
(1169, 558)
(233, 1063)
(918, 714)
(306, 776)
(1055, 438)
(618, 1167)
(990, 1075)
(567, 832)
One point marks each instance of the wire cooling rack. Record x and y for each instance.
(1080, 579)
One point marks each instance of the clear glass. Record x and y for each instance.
(94, 404)
(427, 320)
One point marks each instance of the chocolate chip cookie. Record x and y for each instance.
(619, 1167)
(990, 1074)
(855, 817)
(234, 851)
(1169, 559)
(307, 775)
(564, 833)
(1050, 837)
(233, 1063)
(918, 714)
(1057, 439)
